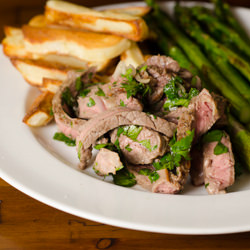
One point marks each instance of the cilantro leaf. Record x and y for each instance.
(220, 148)
(62, 137)
(100, 92)
(91, 102)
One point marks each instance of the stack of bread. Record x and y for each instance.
(71, 37)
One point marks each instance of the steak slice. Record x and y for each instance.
(148, 146)
(107, 162)
(66, 124)
(105, 97)
(218, 169)
(111, 119)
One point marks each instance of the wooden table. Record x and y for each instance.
(28, 224)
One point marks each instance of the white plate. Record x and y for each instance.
(46, 170)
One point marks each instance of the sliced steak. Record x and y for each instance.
(107, 162)
(218, 169)
(105, 97)
(206, 112)
(111, 119)
(196, 171)
(148, 146)
(68, 125)
(163, 185)
(160, 70)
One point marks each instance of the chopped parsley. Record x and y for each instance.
(79, 150)
(143, 68)
(133, 87)
(122, 104)
(124, 178)
(128, 148)
(91, 102)
(78, 83)
(109, 146)
(178, 150)
(51, 113)
(67, 98)
(100, 92)
(62, 137)
(146, 143)
(215, 136)
(84, 92)
(220, 148)
(131, 131)
(206, 185)
(152, 175)
(176, 94)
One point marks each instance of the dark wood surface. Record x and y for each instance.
(28, 224)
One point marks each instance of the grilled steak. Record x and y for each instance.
(107, 162)
(218, 169)
(144, 149)
(68, 125)
(111, 119)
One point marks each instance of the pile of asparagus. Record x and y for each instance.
(213, 45)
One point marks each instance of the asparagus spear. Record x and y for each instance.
(194, 30)
(201, 62)
(241, 140)
(219, 30)
(223, 12)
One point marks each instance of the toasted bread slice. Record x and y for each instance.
(50, 85)
(72, 15)
(39, 114)
(34, 71)
(139, 11)
(84, 45)
(133, 56)
(38, 21)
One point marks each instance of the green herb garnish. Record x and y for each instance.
(206, 185)
(176, 94)
(128, 148)
(122, 104)
(83, 93)
(91, 102)
(100, 92)
(132, 131)
(220, 148)
(146, 143)
(109, 146)
(62, 137)
(215, 136)
(133, 87)
(78, 84)
(152, 175)
(67, 98)
(178, 150)
(124, 178)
